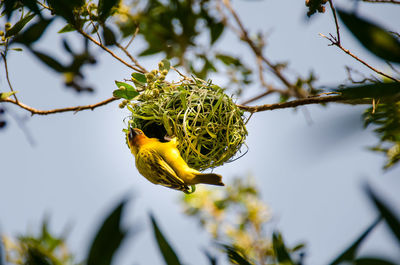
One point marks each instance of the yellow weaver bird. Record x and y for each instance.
(161, 163)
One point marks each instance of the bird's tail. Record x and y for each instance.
(209, 178)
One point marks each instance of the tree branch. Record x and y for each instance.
(7, 76)
(137, 69)
(292, 104)
(336, 43)
(336, 21)
(382, 1)
(34, 111)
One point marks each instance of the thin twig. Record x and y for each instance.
(382, 1)
(132, 38)
(34, 111)
(335, 43)
(292, 104)
(109, 51)
(336, 21)
(245, 36)
(93, 25)
(131, 57)
(7, 76)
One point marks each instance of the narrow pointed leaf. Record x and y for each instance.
(350, 253)
(6, 95)
(216, 31)
(376, 39)
(67, 28)
(49, 61)
(281, 253)
(372, 261)
(108, 36)
(108, 238)
(166, 250)
(234, 255)
(33, 33)
(19, 25)
(212, 259)
(378, 90)
(389, 217)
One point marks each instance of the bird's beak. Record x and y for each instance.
(132, 133)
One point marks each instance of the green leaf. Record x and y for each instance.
(141, 78)
(234, 255)
(389, 217)
(16, 49)
(108, 36)
(168, 253)
(6, 95)
(377, 90)
(67, 28)
(33, 33)
(108, 238)
(166, 65)
(49, 61)
(281, 252)
(372, 261)
(19, 25)
(350, 253)
(216, 31)
(376, 39)
(105, 7)
(125, 86)
(228, 60)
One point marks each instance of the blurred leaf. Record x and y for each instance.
(16, 49)
(49, 61)
(35, 257)
(33, 33)
(108, 238)
(386, 213)
(141, 78)
(298, 247)
(105, 7)
(376, 39)
(376, 91)
(67, 28)
(372, 261)
(66, 9)
(1, 241)
(6, 95)
(212, 259)
(11, 6)
(234, 256)
(281, 253)
(350, 253)
(168, 253)
(66, 46)
(109, 36)
(216, 31)
(227, 59)
(19, 25)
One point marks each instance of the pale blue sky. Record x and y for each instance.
(309, 175)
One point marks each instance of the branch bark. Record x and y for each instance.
(34, 111)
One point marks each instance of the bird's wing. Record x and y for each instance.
(153, 166)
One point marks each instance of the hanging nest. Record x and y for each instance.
(209, 126)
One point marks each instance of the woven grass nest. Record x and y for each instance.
(209, 126)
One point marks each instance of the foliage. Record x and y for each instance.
(386, 121)
(238, 217)
(250, 245)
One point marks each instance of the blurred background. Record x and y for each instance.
(309, 163)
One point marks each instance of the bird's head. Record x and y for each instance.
(135, 138)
